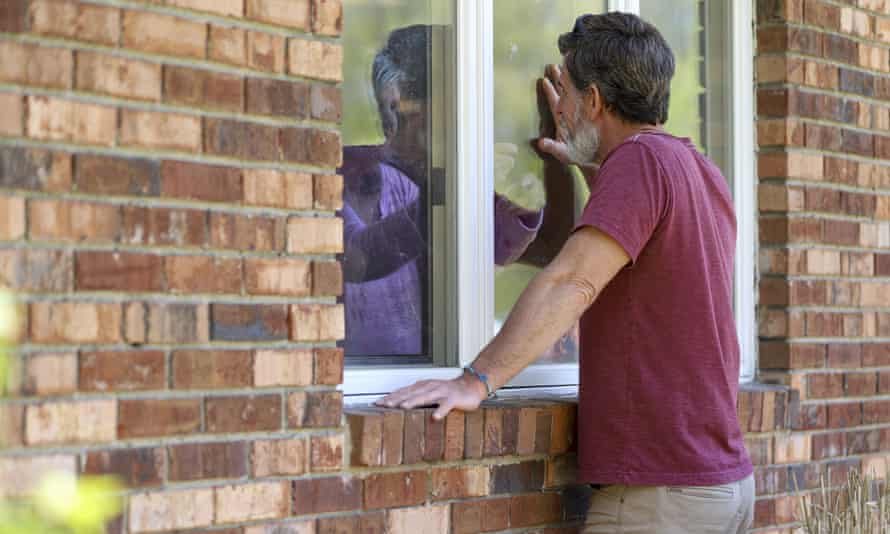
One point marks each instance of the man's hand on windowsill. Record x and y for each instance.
(464, 393)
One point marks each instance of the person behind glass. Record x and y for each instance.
(384, 215)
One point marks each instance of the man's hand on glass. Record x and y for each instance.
(464, 393)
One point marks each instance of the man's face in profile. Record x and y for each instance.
(581, 135)
(406, 125)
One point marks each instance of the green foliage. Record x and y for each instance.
(62, 503)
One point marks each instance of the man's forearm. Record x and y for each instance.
(548, 308)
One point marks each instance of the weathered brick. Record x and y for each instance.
(329, 367)
(250, 502)
(460, 482)
(203, 88)
(37, 270)
(327, 453)
(368, 523)
(523, 477)
(317, 322)
(36, 65)
(315, 235)
(329, 494)
(153, 418)
(391, 490)
(393, 429)
(196, 181)
(243, 413)
(71, 422)
(116, 76)
(474, 436)
(170, 510)
(266, 52)
(137, 468)
(315, 59)
(202, 369)
(291, 13)
(422, 520)
(163, 226)
(263, 187)
(247, 232)
(20, 476)
(163, 34)
(366, 433)
(454, 436)
(12, 428)
(50, 374)
(326, 103)
(472, 517)
(119, 271)
(12, 221)
(203, 274)
(228, 45)
(322, 409)
(280, 457)
(175, 323)
(109, 175)
(151, 129)
(12, 16)
(53, 119)
(327, 279)
(535, 509)
(241, 140)
(11, 123)
(253, 322)
(122, 371)
(282, 368)
(277, 277)
(75, 322)
(229, 8)
(278, 97)
(327, 17)
(197, 461)
(75, 20)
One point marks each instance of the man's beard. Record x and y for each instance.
(582, 145)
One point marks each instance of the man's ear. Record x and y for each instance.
(594, 106)
(389, 118)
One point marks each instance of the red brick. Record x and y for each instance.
(266, 52)
(228, 8)
(535, 509)
(203, 88)
(323, 495)
(37, 65)
(327, 453)
(151, 418)
(278, 97)
(116, 76)
(163, 34)
(315, 59)
(315, 235)
(290, 13)
(494, 431)
(316, 322)
(170, 323)
(203, 274)
(277, 277)
(50, 374)
(228, 45)
(163, 226)
(12, 427)
(74, 322)
(197, 369)
(53, 119)
(433, 438)
(844, 415)
(876, 354)
(322, 409)
(329, 367)
(249, 502)
(196, 181)
(12, 16)
(149, 129)
(137, 468)
(522, 477)
(454, 436)
(253, 322)
(122, 371)
(241, 140)
(860, 384)
(37, 270)
(825, 385)
(197, 461)
(369, 523)
(460, 482)
(265, 187)
(280, 457)
(393, 436)
(474, 436)
(108, 175)
(327, 279)
(243, 414)
(366, 435)
(75, 20)
(822, 15)
(12, 122)
(876, 412)
(391, 490)
(326, 103)
(282, 368)
(71, 422)
(327, 17)
(828, 445)
(247, 232)
(848, 355)
(119, 271)
(172, 510)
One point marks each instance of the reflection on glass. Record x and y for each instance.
(520, 54)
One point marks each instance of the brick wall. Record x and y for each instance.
(823, 85)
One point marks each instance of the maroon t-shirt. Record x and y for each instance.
(659, 365)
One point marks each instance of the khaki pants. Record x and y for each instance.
(724, 509)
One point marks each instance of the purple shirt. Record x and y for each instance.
(383, 291)
(659, 354)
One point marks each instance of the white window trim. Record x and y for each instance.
(475, 235)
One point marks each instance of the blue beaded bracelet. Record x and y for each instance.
(483, 378)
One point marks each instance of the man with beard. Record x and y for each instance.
(649, 272)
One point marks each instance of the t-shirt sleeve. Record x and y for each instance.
(628, 198)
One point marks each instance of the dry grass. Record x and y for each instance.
(860, 506)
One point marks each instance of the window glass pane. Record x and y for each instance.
(398, 64)
(525, 35)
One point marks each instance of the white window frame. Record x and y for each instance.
(475, 234)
